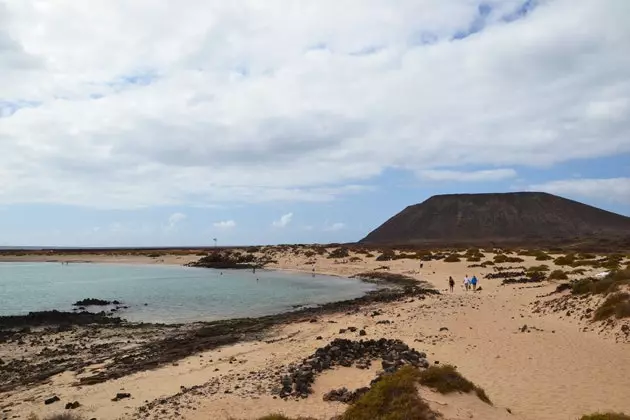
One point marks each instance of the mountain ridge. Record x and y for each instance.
(498, 217)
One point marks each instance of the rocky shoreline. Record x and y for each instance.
(56, 342)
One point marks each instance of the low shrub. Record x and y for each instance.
(394, 397)
(617, 305)
(606, 416)
(339, 253)
(502, 258)
(609, 284)
(445, 379)
(452, 258)
(557, 275)
(538, 268)
(386, 255)
(62, 416)
(565, 260)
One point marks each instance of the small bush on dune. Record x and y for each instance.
(282, 417)
(609, 284)
(538, 268)
(387, 255)
(452, 258)
(502, 258)
(565, 260)
(606, 416)
(557, 275)
(63, 416)
(339, 253)
(394, 397)
(617, 305)
(446, 379)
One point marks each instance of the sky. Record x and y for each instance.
(174, 123)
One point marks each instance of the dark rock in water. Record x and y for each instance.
(115, 302)
(93, 302)
(35, 319)
(51, 400)
(73, 405)
(121, 395)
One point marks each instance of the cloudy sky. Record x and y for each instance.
(163, 122)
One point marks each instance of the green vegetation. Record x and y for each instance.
(63, 416)
(538, 268)
(487, 263)
(387, 255)
(564, 260)
(394, 397)
(502, 258)
(617, 305)
(557, 275)
(446, 379)
(339, 253)
(609, 284)
(452, 258)
(606, 416)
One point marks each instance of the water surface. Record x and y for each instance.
(172, 293)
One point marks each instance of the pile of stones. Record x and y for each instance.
(344, 395)
(299, 378)
(536, 277)
(505, 274)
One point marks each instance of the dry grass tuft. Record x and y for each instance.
(606, 416)
(557, 275)
(446, 379)
(617, 305)
(394, 397)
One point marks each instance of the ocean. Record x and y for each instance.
(167, 294)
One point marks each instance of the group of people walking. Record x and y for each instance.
(469, 283)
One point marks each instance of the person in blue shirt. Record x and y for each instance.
(473, 281)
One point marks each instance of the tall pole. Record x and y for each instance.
(215, 242)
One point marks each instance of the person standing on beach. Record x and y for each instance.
(466, 283)
(451, 283)
(473, 281)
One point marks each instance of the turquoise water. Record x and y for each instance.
(172, 293)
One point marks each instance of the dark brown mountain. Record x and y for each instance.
(522, 217)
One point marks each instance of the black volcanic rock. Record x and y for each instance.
(521, 217)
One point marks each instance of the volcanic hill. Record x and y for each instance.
(521, 217)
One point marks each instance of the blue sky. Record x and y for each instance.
(157, 124)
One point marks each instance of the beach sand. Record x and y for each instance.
(552, 369)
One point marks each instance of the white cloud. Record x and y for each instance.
(174, 219)
(201, 102)
(225, 224)
(335, 227)
(606, 189)
(283, 221)
(468, 176)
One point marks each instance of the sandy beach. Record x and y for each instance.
(534, 364)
